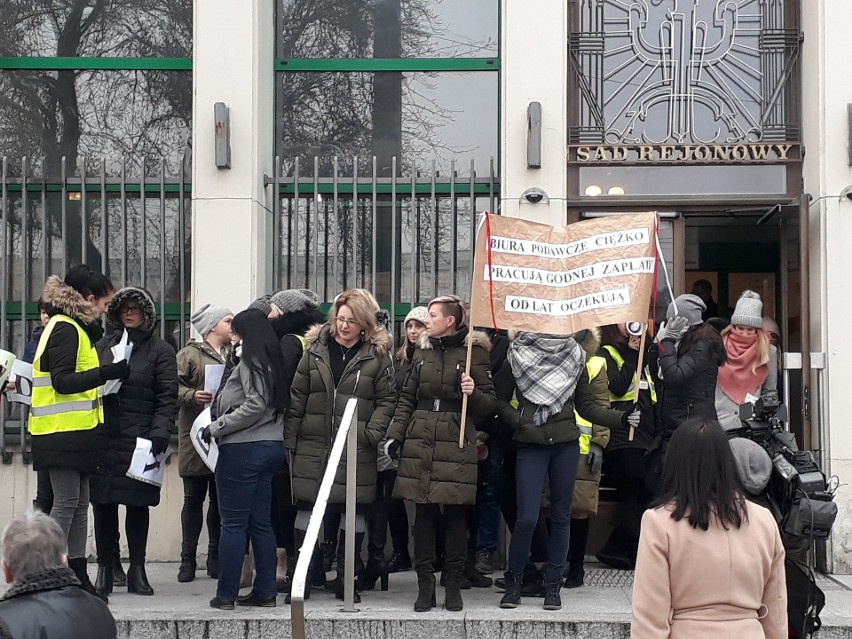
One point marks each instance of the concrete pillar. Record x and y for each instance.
(534, 68)
(826, 93)
(233, 52)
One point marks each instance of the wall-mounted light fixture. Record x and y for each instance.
(222, 135)
(534, 135)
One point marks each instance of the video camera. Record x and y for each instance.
(798, 487)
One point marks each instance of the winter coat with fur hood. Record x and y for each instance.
(432, 468)
(317, 406)
(145, 405)
(75, 450)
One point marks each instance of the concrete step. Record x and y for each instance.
(181, 611)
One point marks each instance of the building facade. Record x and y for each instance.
(355, 143)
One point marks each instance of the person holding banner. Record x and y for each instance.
(145, 406)
(691, 353)
(213, 323)
(551, 381)
(436, 471)
(66, 406)
(625, 458)
(349, 356)
(249, 430)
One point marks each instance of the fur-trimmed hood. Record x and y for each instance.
(459, 338)
(146, 302)
(589, 339)
(61, 299)
(321, 333)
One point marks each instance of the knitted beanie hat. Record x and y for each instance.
(206, 317)
(418, 313)
(753, 464)
(689, 306)
(262, 304)
(294, 300)
(748, 311)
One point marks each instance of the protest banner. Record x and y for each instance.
(559, 280)
(145, 466)
(208, 451)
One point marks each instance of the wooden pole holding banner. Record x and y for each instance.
(639, 374)
(464, 395)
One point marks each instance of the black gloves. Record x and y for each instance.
(205, 434)
(393, 447)
(159, 445)
(119, 370)
(595, 459)
(509, 415)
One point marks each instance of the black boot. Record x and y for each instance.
(376, 568)
(400, 562)
(339, 581)
(316, 564)
(137, 580)
(513, 591)
(328, 549)
(78, 565)
(105, 579)
(286, 584)
(212, 563)
(454, 560)
(119, 577)
(186, 572)
(575, 574)
(426, 590)
(552, 600)
(476, 578)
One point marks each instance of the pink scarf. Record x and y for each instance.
(736, 377)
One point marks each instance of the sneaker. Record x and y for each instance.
(485, 561)
(552, 600)
(259, 602)
(513, 592)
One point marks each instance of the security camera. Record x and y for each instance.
(535, 195)
(847, 192)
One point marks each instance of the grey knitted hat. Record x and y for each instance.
(206, 317)
(418, 314)
(753, 464)
(689, 306)
(748, 311)
(262, 304)
(294, 300)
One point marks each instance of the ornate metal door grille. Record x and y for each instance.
(684, 71)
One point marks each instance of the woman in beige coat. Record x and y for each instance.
(710, 563)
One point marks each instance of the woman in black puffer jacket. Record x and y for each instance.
(145, 406)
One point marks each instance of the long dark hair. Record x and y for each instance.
(262, 356)
(611, 336)
(87, 281)
(699, 477)
(704, 333)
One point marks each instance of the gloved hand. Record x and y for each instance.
(393, 447)
(159, 445)
(595, 459)
(119, 370)
(631, 417)
(206, 436)
(673, 329)
(509, 415)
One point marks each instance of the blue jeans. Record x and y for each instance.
(244, 484)
(489, 505)
(559, 463)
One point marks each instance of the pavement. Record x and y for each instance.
(599, 609)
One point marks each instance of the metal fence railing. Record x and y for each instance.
(407, 237)
(135, 228)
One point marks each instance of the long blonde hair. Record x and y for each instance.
(763, 343)
(364, 308)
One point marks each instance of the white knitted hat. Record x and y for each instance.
(748, 311)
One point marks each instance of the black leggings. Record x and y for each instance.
(283, 513)
(195, 490)
(385, 512)
(136, 524)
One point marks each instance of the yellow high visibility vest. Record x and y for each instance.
(594, 365)
(53, 412)
(628, 396)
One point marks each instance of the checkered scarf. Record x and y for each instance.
(546, 370)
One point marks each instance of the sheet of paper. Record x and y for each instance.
(209, 453)
(7, 359)
(120, 352)
(213, 377)
(23, 393)
(145, 466)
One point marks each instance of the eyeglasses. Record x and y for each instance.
(347, 321)
(133, 310)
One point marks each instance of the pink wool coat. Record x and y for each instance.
(711, 584)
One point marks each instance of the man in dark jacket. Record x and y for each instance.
(45, 598)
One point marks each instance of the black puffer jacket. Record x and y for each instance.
(52, 604)
(145, 406)
(689, 372)
(75, 450)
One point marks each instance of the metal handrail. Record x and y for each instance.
(347, 432)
